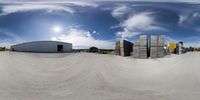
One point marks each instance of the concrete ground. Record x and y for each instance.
(84, 76)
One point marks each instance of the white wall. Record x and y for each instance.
(42, 46)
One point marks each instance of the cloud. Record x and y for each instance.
(182, 19)
(138, 23)
(5, 44)
(141, 21)
(119, 11)
(94, 32)
(81, 38)
(91, 2)
(193, 41)
(173, 1)
(8, 38)
(192, 44)
(77, 3)
(127, 34)
(169, 39)
(83, 4)
(13, 8)
(187, 1)
(9, 35)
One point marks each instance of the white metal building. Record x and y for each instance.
(43, 46)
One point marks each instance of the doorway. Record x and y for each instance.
(60, 48)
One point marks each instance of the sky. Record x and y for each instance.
(98, 23)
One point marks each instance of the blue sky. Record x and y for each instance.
(98, 23)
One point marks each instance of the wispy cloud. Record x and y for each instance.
(69, 2)
(13, 8)
(185, 1)
(170, 39)
(138, 23)
(10, 38)
(9, 6)
(9, 34)
(141, 21)
(120, 11)
(193, 41)
(182, 18)
(193, 44)
(6, 44)
(82, 38)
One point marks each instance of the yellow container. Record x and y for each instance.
(171, 46)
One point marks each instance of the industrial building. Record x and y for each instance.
(43, 46)
(123, 48)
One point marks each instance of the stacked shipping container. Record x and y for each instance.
(123, 48)
(140, 48)
(153, 46)
(156, 46)
(136, 49)
(161, 45)
(143, 46)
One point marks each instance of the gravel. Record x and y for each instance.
(87, 76)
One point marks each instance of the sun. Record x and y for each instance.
(57, 29)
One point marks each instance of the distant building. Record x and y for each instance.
(93, 49)
(43, 46)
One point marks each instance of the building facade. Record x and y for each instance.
(43, 47)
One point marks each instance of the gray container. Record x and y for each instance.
(136, 50)
(143, 57)
(153, 52)
(126, 48)
(154, 40)
(161, 41)
(161, 51)
(143, 40)
(143, 52)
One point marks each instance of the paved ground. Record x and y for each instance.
(82, 76)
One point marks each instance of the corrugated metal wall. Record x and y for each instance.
(42, 46)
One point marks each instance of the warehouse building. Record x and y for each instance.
(43, 46)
